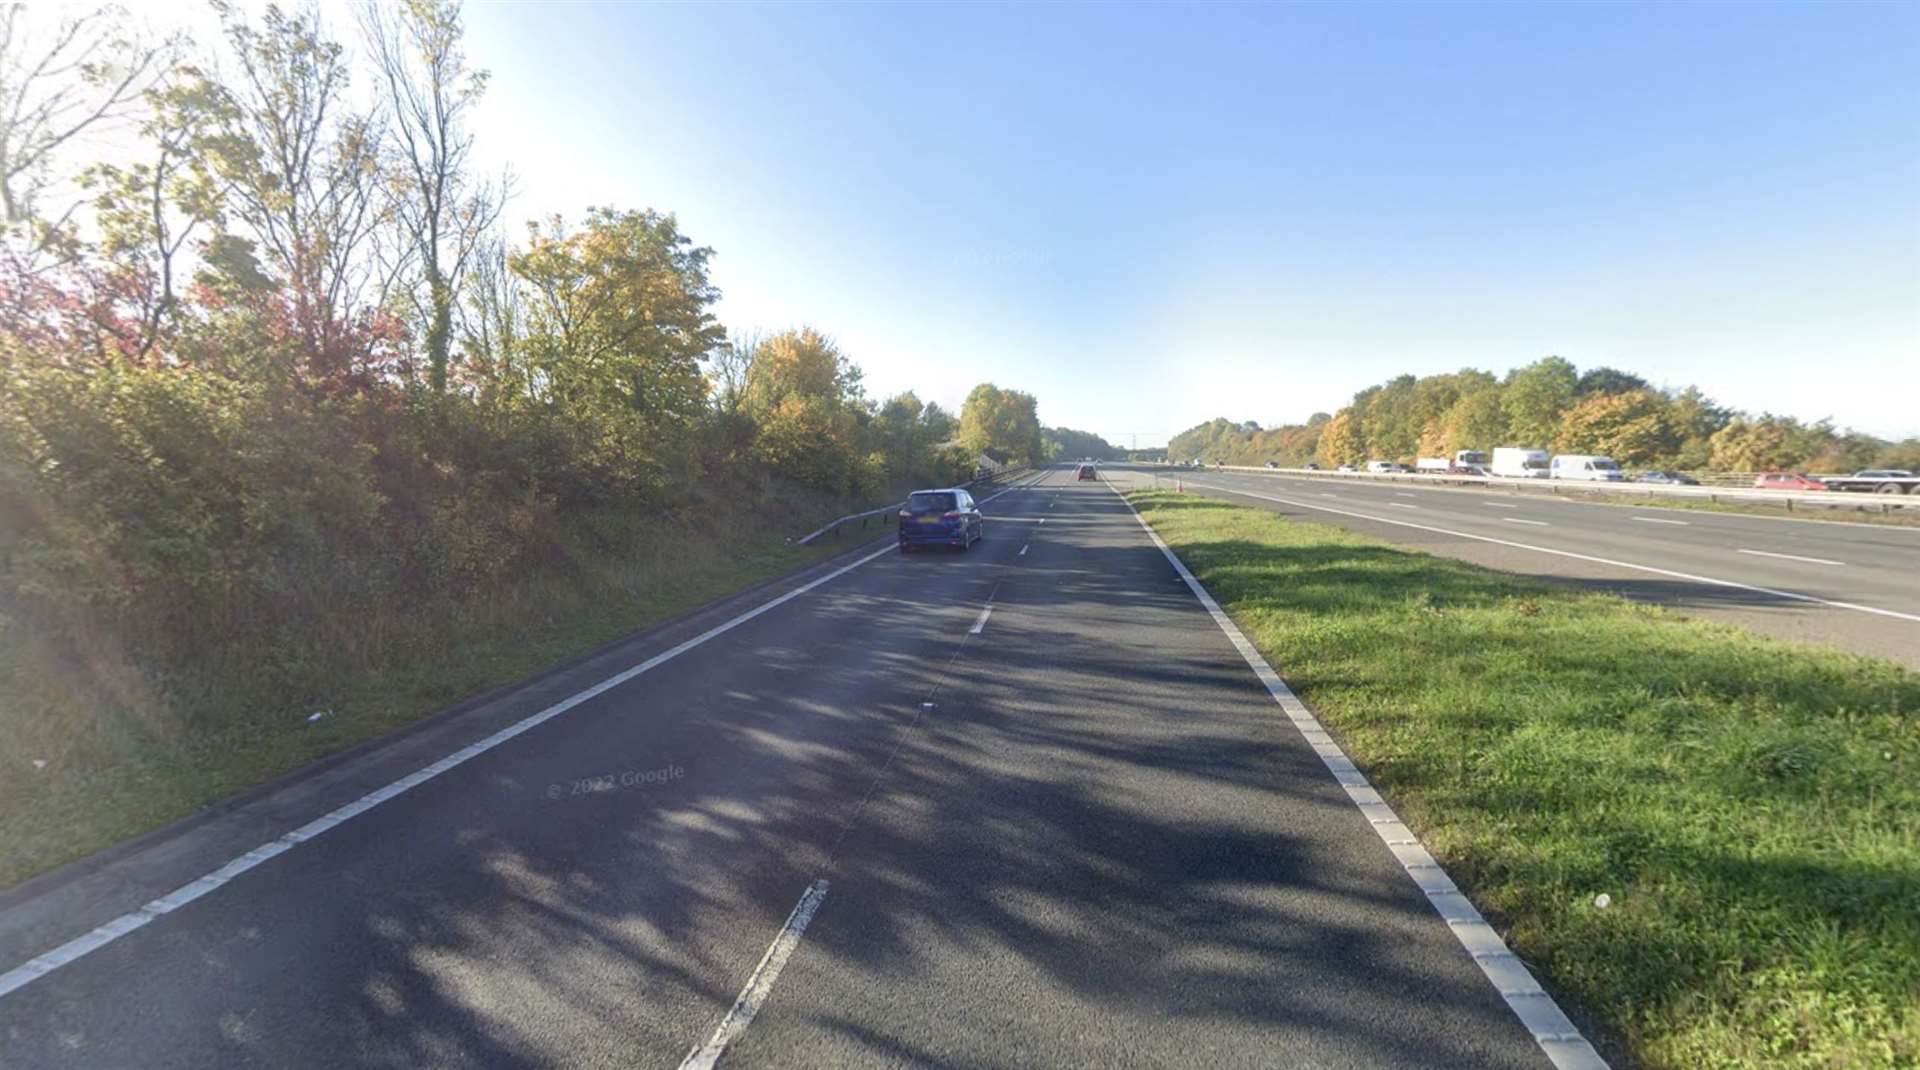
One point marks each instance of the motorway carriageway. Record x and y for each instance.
(1030, 805)
(1855, 586)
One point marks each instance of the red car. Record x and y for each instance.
(1787, 481)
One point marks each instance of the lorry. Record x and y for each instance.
(1876, 481)
(1589, 467)
(1520, 462)
(1435, 465)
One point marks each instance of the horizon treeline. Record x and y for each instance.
(1549, 404)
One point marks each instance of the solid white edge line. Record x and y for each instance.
(1792, 557)
(760, 983)
(980, 622)
(51, 960)
(1556, 1034)
(1791, 595)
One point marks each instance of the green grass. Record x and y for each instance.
(129, 748)
(1751, 807)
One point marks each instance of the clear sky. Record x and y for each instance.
(1151, 216)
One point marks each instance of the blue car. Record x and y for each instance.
(948, 517)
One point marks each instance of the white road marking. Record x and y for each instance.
(1556, 1034)
(1518, 520)
(980, 624)
(1406, 494)
(1659, 520)
(754, 995)
(1023, 551)
(1325, 494)
(1402, 505)
(1736, 584)
(49, 961)
(1500, 505)
(1793, 557)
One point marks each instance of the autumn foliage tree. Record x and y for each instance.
(1632, 428)
(1549, 404)
(279, 397)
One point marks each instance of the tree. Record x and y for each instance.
(806, 438)
(1608, 381)
(1002, 423)
(88, 72)
(800, 362)
(1067, 443)
(1533, 398)
(303, 173)
(1632, 427)
(939, 424)
(1903, 454)
(1476, 422)
(443, 211)
(618, 316)
(1695, 419)
(1434, 397)
(1388, 416)
(805, 396)
(146, 212)
(1341, 440)
(1753, 446)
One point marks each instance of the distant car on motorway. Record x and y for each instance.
(1385, 466)
(1677, 479)
(1787, 481)
(1311, 467)
(945, 516)
(1273, 464)
(1344, 468)
(1085, 471)
(1466, 470)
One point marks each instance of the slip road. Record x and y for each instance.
(1023, 806)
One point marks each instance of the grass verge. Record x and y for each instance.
(1751, 807)
(95, 754)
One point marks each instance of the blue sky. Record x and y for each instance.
(1152, 216)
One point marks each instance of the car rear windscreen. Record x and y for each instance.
(931, 502)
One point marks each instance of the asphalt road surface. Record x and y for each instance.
(1854, 586)
(1021, 806)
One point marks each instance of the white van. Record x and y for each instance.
(1588, 466)
(1520, 462)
